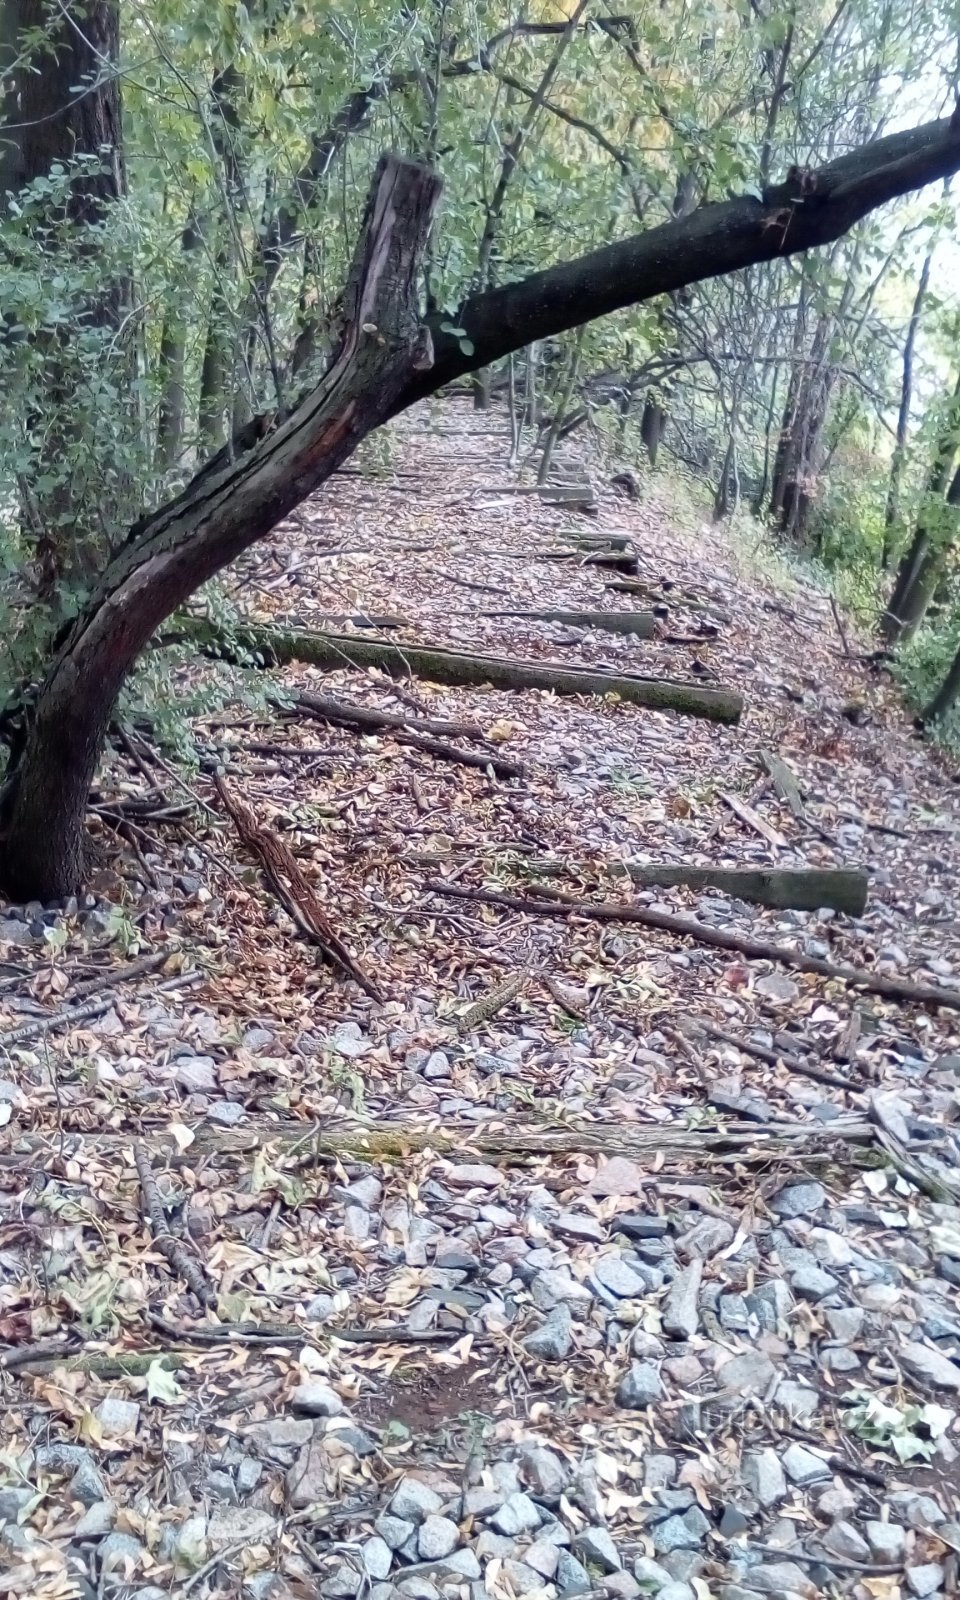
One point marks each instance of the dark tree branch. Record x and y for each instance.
(708, 243)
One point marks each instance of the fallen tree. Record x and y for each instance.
(460, 668)
(551, 903)
(418, 732)
(385, 358)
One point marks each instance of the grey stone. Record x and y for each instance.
(320, 1308)
(751, 1373)
(348, 1039)
(357, 1223)
(118, 1416)
(438, 1538)
(413, 1500)
(521, 1577)
(517, 1515)
(844, 1322)
(463, 1562)
(493, 1546)
(220, 1486)
(62, 1458)
(925, 1580)
(844, 1541)
(544, 1473)
(196, 1074)
(650, 1574)
(733, 1313)
(839, 1358)
(733, 1522)
(578, 1225)
(572, 1576)
(437, 1065)
(543, 1557)
(705, 1239)
(14, 932)
(798, 1200)
(595, 1548)
(417, 1588)
(249, 1473)
(343, 1582)
(97, 1520)
(812, 1283)
(676, 1591)
(227, 1113)
(779, 1578)
(553, 1285)
(279, 1438)
(121, 1550)
(367, 1191)
(316, 1399)
(764, 1477)
(230, 1523)
(394, 1531)
(887, 1541)
(87, 1485)
(13, 1501)
(480, 1502)
(837, 1501)
(916, 1509)
(614, 1275)
(681, 1532)
(377, 1558)
(474, 1175)
(802, 1466)
(929, 1365)
(799, 1400)
(553, 1340)
(680, 1317)
(641, 1387)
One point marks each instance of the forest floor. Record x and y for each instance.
(562, 1294)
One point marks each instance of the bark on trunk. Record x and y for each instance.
(946, 696)
(237, 498)
(919, 568)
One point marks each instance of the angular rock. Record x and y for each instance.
(929, 1366)
(517, 1515)
(844, 1322)
(705, 1239)
(680, 1316)
(523, 1579)
(438, 1537)
(812, 1283)
(845, 1541)
(798, 1200)
(618, 1177)
(595, 1548)
(230, 1523)
(121, 1551)
(473, 1175)
(96, 1521)
(764, 1477)
(544, 1472)
(87, 1485)
(413, 1500)
(572, 1576)
(117, 1417)
(553, 1340)
(925, 1580)
(780, 1578)
(802, 1466)
(799, 1400)
(394, 1531)
(377, 1558)
(681, 1532)
(659, 1471)
(553, 1285)
(279, 1438)
(579, 1225)
(316, 1399)
(751, 1373)
(641, 1387)
(887, 1541)
(615, 1276)
(543, 1557)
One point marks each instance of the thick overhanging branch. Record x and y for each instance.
(811, 208)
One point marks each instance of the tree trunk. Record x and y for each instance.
(67, 99)
(903, 416)
(237, 498)
(905, 607)
(946, 696)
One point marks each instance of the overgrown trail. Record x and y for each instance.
(593, 1256)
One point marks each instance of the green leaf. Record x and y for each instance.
(162, 1386)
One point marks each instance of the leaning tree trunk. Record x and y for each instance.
(946, 696)
(238, 498)
(902, 607)
(892, 510)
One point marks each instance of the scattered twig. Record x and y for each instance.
(292, 1333)
(47, 1350)
(74, 1014)
(753, 820)
(285, 877)
(172, 1249)
(900, 989)
(773, 1058)
(840, 628)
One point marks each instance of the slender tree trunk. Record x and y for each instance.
(892, 511)
(560, 408)
(913, 573)
(172, 410)
(946, 696)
